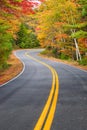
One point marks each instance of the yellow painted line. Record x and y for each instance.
(54, 88)
(46, 108)
(53, 106)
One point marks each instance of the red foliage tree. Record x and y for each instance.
(17, 7)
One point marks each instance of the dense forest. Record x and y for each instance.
(13, 29)
(60, 26)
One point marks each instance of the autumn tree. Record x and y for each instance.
(59, 24)
(12, 13)
(17, 7)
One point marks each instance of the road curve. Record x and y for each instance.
(23, 99)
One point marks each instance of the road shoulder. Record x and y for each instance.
(72, 63)
(15, 68)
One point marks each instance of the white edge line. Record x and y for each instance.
(17, 75)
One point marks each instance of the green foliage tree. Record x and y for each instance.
(5, 45)
(26, 38)
(83, 7)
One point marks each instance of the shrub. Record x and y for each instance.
(63, 56)
(83, 61)
(49, 47)
(54, 50)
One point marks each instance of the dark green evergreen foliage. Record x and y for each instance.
(5, 45)
(21, 35)
(83, 4)
(26, 38)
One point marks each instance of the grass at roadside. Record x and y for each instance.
(15, 67)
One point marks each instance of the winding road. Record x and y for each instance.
(46, 95)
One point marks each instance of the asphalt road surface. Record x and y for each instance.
(22, 100)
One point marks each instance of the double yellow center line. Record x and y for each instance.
(45, 120)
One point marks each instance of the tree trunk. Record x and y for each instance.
(78, 55)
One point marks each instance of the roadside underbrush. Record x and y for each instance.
(52, 54)
(63, 56)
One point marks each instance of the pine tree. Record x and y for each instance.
(26, 38)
